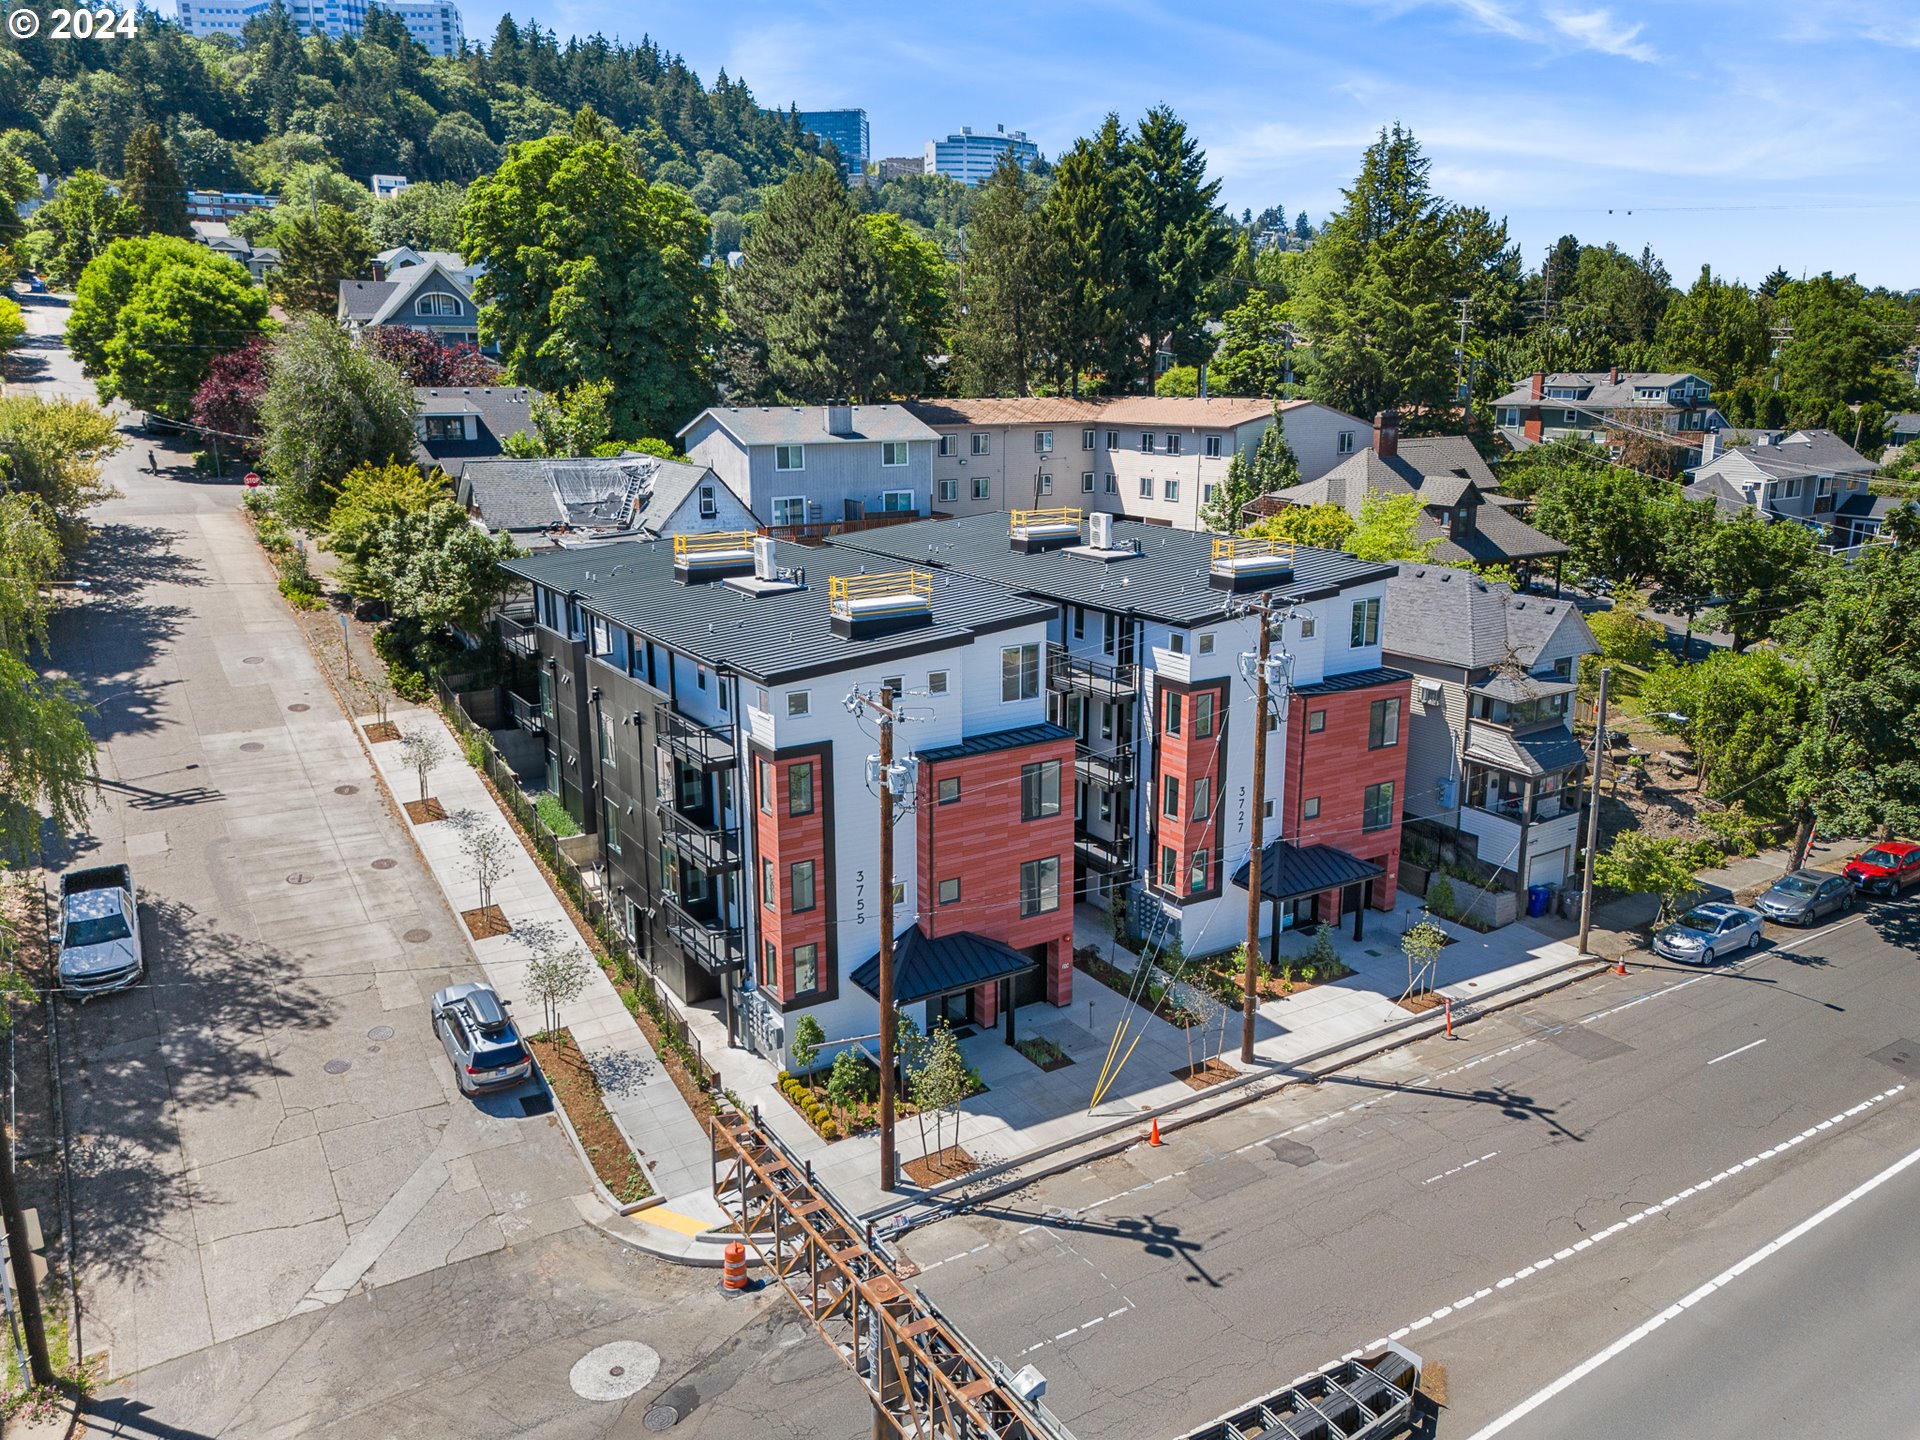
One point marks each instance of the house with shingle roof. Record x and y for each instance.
(1811, 477)
(1673, 406)
(561, 501)
(817, 465)
(454, 424)
(428, 297)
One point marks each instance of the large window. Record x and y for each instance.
(1377, 813)
(893, 452)
(1198, 872)
(806, 968)
(789, 457)
(1366, 624)
(897, 502)
(1203, 712)
(1202, 796)
(1383, 724)
(1170, 796)
(1040, 790)
(436, 304)
(789, 510)
(802, 877)
(1040, 886)
(1148, 441)
(800, 788)
(1019, 672)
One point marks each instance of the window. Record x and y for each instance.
(761, 700)
(789, 510)
(1377, 812)
(806, 968)
(949, 444)
(436, 305)
(1202, 797)
(1046, 484)
(936, 682)
(896, 683)
(1113, 486)
(1147, 442)
(893, 452)
(606, 738)
(897, 502)
(1146, 487)
(949, 789)
(1086, 482)
(1345, 445)
(1306, 628)
(1213, 447)
(1043, 442)
(982, 444)
(1266, 810)
(709, 503)
(1316, 721)
(799, 702)
(769, 887)
(800, 788)
(763, 778)
(1793, 488)
(1206, 493)
(1177, 643)
(1510, 417)
(899, 892)
(1019, 672)
(446, 427)
(700, 676)
(1383, 724)
(1170, 489)
(950, 891)
(789, 457)
(1170, 796)
(980, 484)
(1086, 439)
(1206, 643)
(1113, 439)
(610, 810)
(1197, 873)
(1169, 868)
(1366, 624)
(1040, 790)
(1310, 808)
(1040, 886)
(1105, 805)
(1203, 715)
(949, 489)
(1173, 444)
(801, 873)
(1570, 417)
(769, 966)
(1173, 714)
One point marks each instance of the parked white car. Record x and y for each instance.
(1708, 932)
(99, 932)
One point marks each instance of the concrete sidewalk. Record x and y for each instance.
(671, 1144)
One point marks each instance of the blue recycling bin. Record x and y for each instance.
(1538, 898)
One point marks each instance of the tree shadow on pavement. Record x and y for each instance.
(1509, 1103)
(130, 1419)
(197, 1036)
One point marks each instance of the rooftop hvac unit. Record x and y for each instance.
(1100, 530)
(763, 566)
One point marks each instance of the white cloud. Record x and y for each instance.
(1597, 29)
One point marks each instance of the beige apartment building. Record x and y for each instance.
(1146, 457)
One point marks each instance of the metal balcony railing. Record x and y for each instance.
(711, 845)
(527, 714)
(519, 635)
(1112, 769)
(1105, 854)
(710, 943)
(850, 595)
(1069, 671)
(697, 744)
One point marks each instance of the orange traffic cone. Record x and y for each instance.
(1153, 1137)
(1623, 964)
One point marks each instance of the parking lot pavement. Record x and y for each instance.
(268, 1125)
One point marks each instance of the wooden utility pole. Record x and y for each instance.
(886, 938)
(1250, 982)
(20, 1252)
(1593, 811)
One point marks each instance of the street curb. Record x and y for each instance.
(693, 1260)
(1363, 1048)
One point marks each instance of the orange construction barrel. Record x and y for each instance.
(733, 1271)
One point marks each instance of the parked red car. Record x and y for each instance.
(1886, 869)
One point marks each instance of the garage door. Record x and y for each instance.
(1549, 868)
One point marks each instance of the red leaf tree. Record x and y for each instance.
(430, 362)
(228, 400)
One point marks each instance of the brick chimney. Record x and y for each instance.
(1539, 385)
(1613, 375)
(1386, 434)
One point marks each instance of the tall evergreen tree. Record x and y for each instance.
(815, 295)
(998, 334)
(319, 247)
(1091, 241)
(1716, 329)
(152, 188)
(1182, 244)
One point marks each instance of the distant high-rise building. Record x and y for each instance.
(434, 23)
(895, 167)
(846, 131)
(969, 157)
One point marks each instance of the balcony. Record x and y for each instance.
(519, 635)
(707, 843)
(1068, 671)
(713, 945)
(697, 744)
(1109, 855)
(1111, 769)
(527, 714)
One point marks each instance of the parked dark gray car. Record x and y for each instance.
(1806, 896)
(479, 1039)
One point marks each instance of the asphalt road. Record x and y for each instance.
(1506, 1204)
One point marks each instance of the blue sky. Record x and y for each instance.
(1745, 133)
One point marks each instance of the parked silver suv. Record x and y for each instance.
(471, 1021)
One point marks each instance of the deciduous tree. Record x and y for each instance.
(81, 220)
(56, 450)
(370, 497)
(430, 362)
(228, 400)
(329, 406)
(436, 569)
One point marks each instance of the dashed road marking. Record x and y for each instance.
(1458, 1168)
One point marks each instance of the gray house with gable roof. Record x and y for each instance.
(803, 465)
(428, 297)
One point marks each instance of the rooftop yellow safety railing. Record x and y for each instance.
(1230, 548)
(719, 542)
(1029, 519)
(845, 591)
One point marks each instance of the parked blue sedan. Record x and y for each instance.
(1707, 932)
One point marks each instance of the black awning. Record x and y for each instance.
(1288, 872)
(926, 969)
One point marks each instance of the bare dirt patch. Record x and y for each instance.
(1205, 1074)
(1420, 1004)
(578, 1093)
(487, 922)
(941, 1166)
(382, 730)
(425, 812)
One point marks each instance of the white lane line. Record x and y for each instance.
(1731, 1053)
(1672, 1312)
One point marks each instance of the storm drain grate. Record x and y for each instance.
(384, 863)
(299, 707)
(660, 1417)
(337, 1067)
(1902, 1055)
(298, 877)
(346, 789)
(252, 747)
(417, 936)
(380, 1032)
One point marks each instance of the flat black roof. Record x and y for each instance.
(1166, 581)
(782, 635)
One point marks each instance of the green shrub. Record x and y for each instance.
(554, 815)
(1440, 897)
(297, 583)
(257, 502)
(1321, 952)
(829, 1130)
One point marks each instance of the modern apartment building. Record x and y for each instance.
(693, 704)
(433, 23)
(970, 156)
(1145, 457)
(846, 131)
(1151, 647)
(1597, 405)
(1490, 758)
(801, 466)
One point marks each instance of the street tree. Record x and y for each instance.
(57, 451)
(329, 406)
(228, 400)
(47, 769)
(84, 216)
(423, 752)
(437, 570)
(555, 977)
(1640, 864)
(152, 186)
(369, 498)
(488, 851)
(1609, 517)
(30, 558)
(319, 247)
(940, 1083)
(1421, 944)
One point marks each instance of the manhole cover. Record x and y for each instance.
(253, 660)
(337, 1067)
(298, 877)
(614, 1372)
(299, 708)
(384, 863)
(252, 747)
(380, 1032)
(660, 1417)
(346, 789)
(417, 937)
